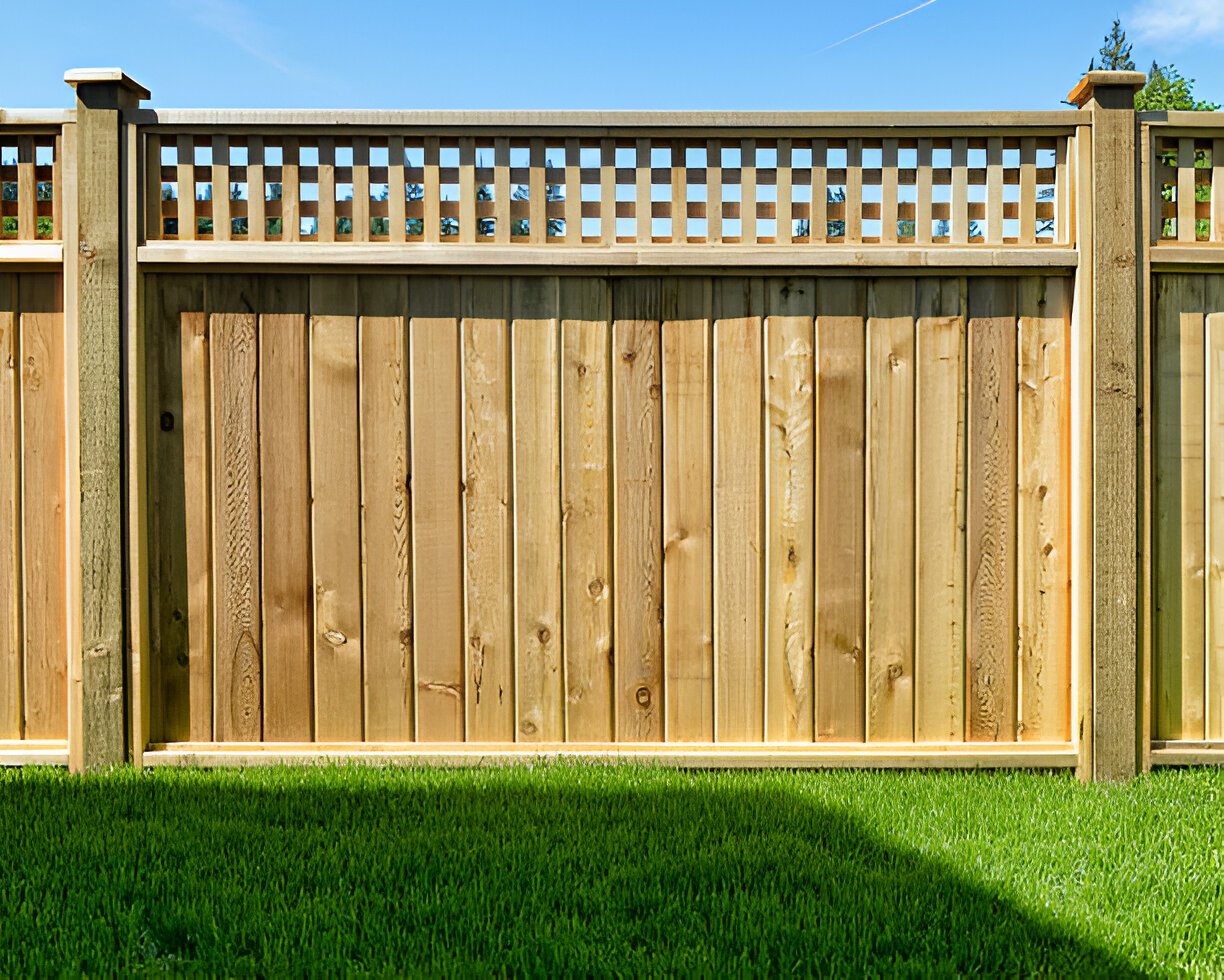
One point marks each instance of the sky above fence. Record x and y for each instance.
(635, 54)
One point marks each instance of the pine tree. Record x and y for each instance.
(1116, 51)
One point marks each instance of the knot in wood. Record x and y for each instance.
(582, 370)
(894, 671)
(655, 392)
(642, 696)
(335, 638)
(529, 727)
(629, 356)
(595, 588)
(167, 421)
(87, 251)
(543, 634)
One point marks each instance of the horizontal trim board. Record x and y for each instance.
(1183, 119)
(1187, 753)
(36, 118)
(652, 256)
(34, 752)
(1208, 253)
(723, 755)
(31, 252)
(1056, 122)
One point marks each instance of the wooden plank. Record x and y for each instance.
(537, 204)
(991, 661)
(185, 181)
(431, 202)
(888, 194)
(336, 508)
(739, 546)
(467, 189)
(960, 191)
(437, 536)
(540, 681)
(607, 192)
(1180, 492)
(748, 192)
(1213, 681)
(939, 487)
(288, 578)
(923, 227)
(326, 231)
(27, 204)
(221, 189)
(397, 192)
(361, 189)
(790, 509)
(10, 521)
(1028, 192)
(641, 193)
(233, 364)
(714, 195)
(586, 508)
(1043, 537)
(688, 621)
(994, 190)
(841, 641)
(638, 515)
(291, 190)
(820, 191)
(257, 220)
(386, 513)
(573, 193)
(785, 220)
(890, 511)
(501, 190)
(854, 190)
(488, 510)
(1185, 189)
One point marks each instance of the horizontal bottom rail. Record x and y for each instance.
(960, 755)
(31, 253)
(1187, 753)
(48, 752)
(610, 256)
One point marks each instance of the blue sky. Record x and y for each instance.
(630, 54)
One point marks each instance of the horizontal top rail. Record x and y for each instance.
(36, 117)
(1183, 119)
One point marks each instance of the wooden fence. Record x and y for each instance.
(799, 439)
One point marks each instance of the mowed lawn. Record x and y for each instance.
(589, 869)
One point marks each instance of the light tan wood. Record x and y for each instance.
(739, 543)
(467, 190)
(1185, 189)
(1028, 191)
(26, 203)
(488, 499)
(638, 509)
(991, 645)
(1213, 680)
(288, 578)
(939, 489)
(854, 190)
(386, 521)
(540, 680)
(537, 204)
(257, 220)
(233, 363)
(361, 189)
(196, 479)
(291, 203)
(841, 641)
(785, 194)
(960, 192)
(688, 618)
(573, 194)
(327, 189)
(185, 181)
(10, 518)
(607, 190)
(748, 192)
(437, 537)
(642, 182)
(714, 194)
(890, 511)
(820, 191)
(1043, 513)
(790, 504)
(586, 508)
(994, 190)
(397, 204)
(220, 189)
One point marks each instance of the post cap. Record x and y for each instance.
(1082, 94)
(86, 76)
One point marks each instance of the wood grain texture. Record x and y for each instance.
(841, 599)
(586, 508)
(336, 512)
(890, 511)
(637, 478)
(236, 527)
(10, 522)
(540, 681)
(739, 546)
(1213, 671)
(437, 530)
(1043, 537)
(288, 579)
(488, 511)
(790, 510)
(991, 646)
(197, 504)
(939, 487)
(386, 529)
(688, 617)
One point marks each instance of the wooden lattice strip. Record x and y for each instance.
(257, 191)
(889, 200)
(1185, 189)
(220, 180)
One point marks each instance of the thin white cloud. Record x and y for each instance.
(876, 27)
(235, 23)
(1171, 21)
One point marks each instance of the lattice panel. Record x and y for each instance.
(29, 185)
(580, 190)
(1185, 171)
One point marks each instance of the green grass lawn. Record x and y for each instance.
(587, 869)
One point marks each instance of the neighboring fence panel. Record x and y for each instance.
(33, 497)
(550, 509)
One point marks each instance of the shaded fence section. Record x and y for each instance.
(567, 508)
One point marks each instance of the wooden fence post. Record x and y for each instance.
(98, 267)
(1108, 724)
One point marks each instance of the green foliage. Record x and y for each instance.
(1166, 90)
(620, 870)
(1115, 52)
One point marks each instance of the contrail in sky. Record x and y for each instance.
(873, 27)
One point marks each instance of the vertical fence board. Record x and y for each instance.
(10, 527)
(540, 684)
(688, 627)
(991, 657)
(386, 514)
(586, 508)
(284, 468)
(437, 535)
(1043, 513)
(1213, 680)
(236, 538)
(789, 475)
(890, 511)
(488, 510)
(738, 508)
(939, 487)
(841, 644)
(637, 477)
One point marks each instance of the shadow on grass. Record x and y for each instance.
(546, 871)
